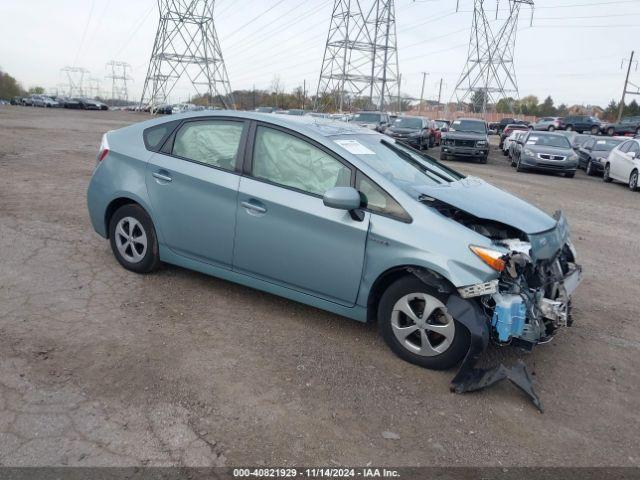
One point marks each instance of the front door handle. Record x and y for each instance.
(162, 177)
(253, 207)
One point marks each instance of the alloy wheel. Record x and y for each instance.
(422, 325)
(131, 239)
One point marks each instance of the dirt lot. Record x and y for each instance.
(99, 366)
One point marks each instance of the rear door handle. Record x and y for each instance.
(162, 177)
(253, 207)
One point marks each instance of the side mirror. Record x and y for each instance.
(342, 198)
(633, 154)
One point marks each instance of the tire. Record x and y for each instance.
(606, 175)
(595, 130)
(443, 156)
(589, 169)
(505, 152)
(633, 181)
(519, 167)
(610, 131)
(569, 128)
(551, 128)
(423, 346)
(638, 131)
(483, 160)
(570, 174)
(142, 254)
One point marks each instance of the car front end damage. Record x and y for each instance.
(525, 306)
(526, 303)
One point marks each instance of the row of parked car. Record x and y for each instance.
(59, 101)
(616, 158)
(586, 123)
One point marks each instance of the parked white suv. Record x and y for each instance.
(623, 164)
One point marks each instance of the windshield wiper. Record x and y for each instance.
(423, 168)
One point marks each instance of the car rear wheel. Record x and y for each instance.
(415, 324)
(633, 181)
(569, 128)
(552, 128)
(133, 239)
(606, 176)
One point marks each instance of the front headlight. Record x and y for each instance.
(573, 158)
(481, 143)
(528, 152)
(491, 257)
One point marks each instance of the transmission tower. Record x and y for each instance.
(186, 45)
(489, 70)
(119, 79)
(361, 56)
(75, 80)
(95, 87)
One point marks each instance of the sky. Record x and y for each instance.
(574, 51)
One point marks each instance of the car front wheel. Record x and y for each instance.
(133, 239)
(606, 176)
(552, 128)
(595, 130)
(416, 325)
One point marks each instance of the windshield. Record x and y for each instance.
(367, 117)
(408, 122)
(549, 141)
(473, 126)
(607, 144)
(441, 124)
(578, 140)
(398, 163)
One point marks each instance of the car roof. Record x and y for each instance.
(549, 134)
(303, 123)
(471, 119)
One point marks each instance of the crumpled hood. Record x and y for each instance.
(483, 200)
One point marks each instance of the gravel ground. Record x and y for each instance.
(99, 366)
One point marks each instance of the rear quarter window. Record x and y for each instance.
(154, 137)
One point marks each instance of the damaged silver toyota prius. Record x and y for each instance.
(344, 219)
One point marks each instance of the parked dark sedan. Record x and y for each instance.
(413, 131)
(546, 151)
(67, 102)
(87, 104)
(16, 101)
(592, 156)
(628, 125)
(583, 123)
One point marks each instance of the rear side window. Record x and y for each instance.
(211, 142)
(154, 137)
(376, 200)
(292, 162)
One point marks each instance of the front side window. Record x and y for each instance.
(289, 161)
(212, 142)
(633, 148)
(376, 200)
(625, 147)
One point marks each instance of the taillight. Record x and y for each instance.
(104, 148)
